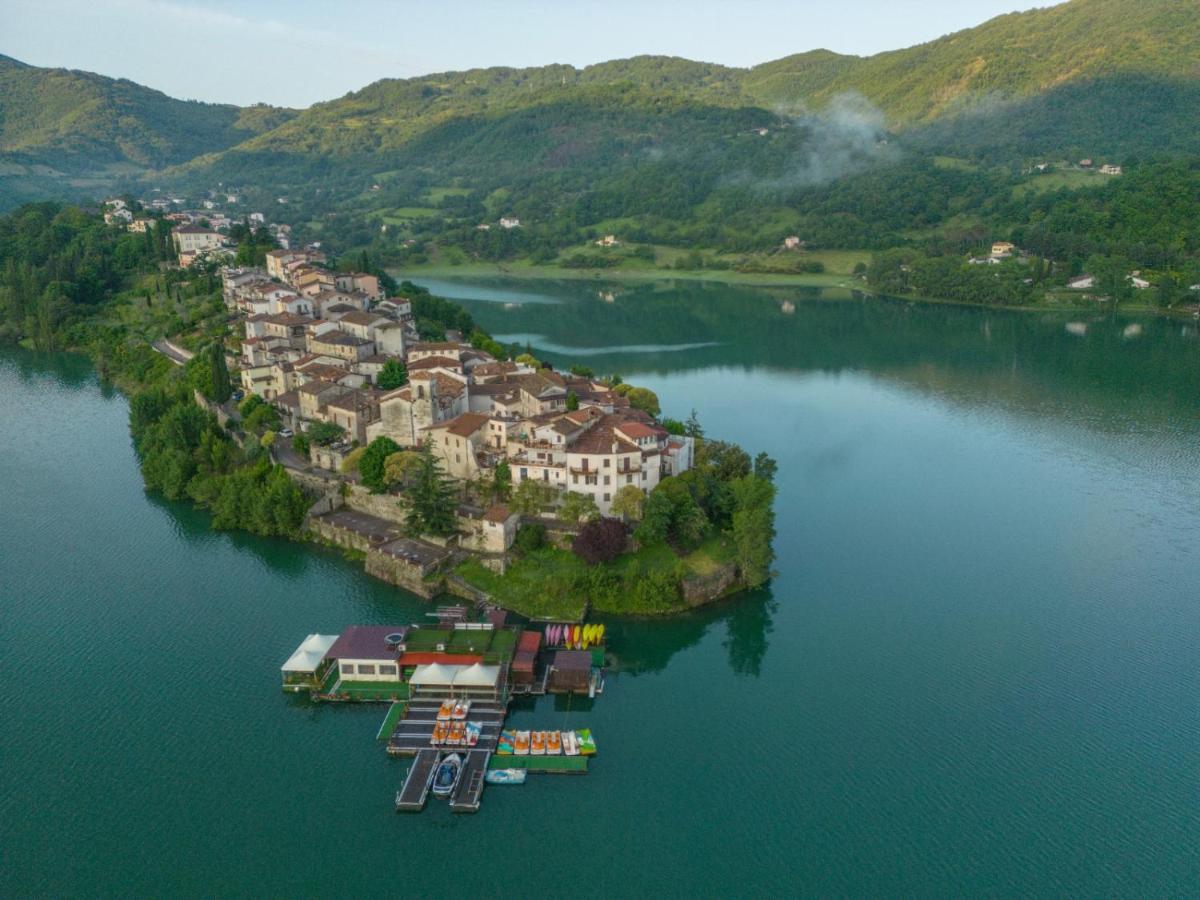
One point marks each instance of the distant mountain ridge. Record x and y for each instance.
(66, 118)
(1121, 76)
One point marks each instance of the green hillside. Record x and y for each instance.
(1012, 57)
(64, 132)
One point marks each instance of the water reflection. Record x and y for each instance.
(646, 646)
(1090, 367)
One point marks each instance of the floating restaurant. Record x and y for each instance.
(450, 687)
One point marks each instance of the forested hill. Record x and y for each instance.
(56, 124)
(1103, 78)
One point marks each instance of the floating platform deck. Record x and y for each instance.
(471, 782)
(413, 733)
(549, 765)
(412, 796)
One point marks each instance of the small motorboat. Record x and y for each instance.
(440, 732)
(458, 732)
(521, 747)
(570, 743)
(537, 744)
(461, 708)
(553, 743)
(474, 729)
(446, 775)
(505, 776)
(445, 711)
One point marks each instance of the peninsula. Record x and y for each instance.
(299, 395)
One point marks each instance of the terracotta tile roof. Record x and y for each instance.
(463, 425)
(434, 362)
(498, 514)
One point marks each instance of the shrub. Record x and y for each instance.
(530, 537)
(600, 541)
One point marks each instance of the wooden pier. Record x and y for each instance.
(412, 796)
(471, 782)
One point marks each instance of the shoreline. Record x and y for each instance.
(523, 271)
(308, 536)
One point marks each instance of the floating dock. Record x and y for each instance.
(470, 782)
(413, 733)
(549, 765)
(412, 796)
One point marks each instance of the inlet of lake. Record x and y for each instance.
(977, 670)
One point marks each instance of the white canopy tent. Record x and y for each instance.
(309, 654)
(433, 675)
(477, 676)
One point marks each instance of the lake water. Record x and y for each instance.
(976, 671)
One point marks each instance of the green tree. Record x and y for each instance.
(501, 486)
(692, 426)
(629, 502)
(371, 465)
(578, 508)
(754, 528)
(572, 400)
(392, 376)
(765, 467)
(399, 468)
(530, 497)
(432, 499)
(644, 399)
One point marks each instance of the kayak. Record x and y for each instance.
(505, 776)
(537, 744)
(554, 743)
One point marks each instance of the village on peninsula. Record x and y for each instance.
(380, 423)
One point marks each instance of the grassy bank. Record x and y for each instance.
(554, 583)
(839, 266)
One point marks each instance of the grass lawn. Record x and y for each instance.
(547, 583)
(436, 195)
(1072, 179)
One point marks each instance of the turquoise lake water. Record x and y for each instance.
(976, 671)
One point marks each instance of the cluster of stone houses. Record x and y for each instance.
(196, 232)
(316, 342)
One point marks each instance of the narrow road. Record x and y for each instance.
(174, 353)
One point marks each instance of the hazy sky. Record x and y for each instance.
(295, 53)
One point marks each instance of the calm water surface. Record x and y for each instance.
(976, 671)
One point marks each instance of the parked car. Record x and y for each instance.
(285, 432)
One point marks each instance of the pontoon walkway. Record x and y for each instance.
(470, 783)
(412, 797)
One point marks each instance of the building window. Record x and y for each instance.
(629, 479)
(387, 670)
(607, 479)
(347, 668)
(606, 462)
(607, 498)
(365, 670)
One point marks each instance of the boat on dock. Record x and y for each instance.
(521, 747)
(445, 778)
(553, 743)
(537, 743)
